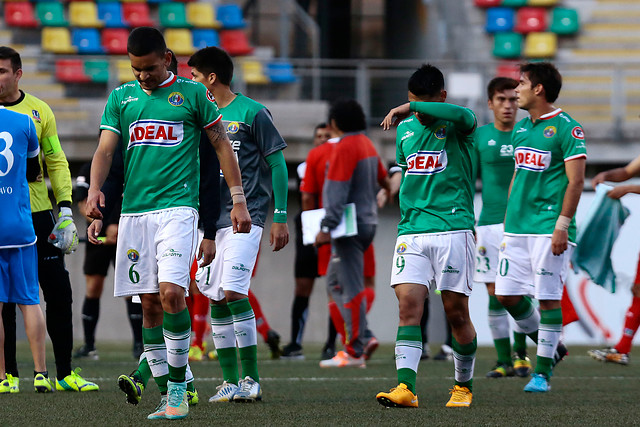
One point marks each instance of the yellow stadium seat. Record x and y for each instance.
(202, 15)
(57, 40)
(84, 14)
(124, 71)
(180, 41)
(540, 45)
(542, 3)
(253, 72)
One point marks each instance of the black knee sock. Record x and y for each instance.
(134, 311)
(424, 321)
(331, 338)
(9, 320)
(299, 313)
(90, 316)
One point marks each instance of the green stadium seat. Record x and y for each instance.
(514, 3)
(507, 45)
(542, 3)
(51, 14)
(97, 70)
(84, 14)
(541, 45)
(564, 21)
(173, 15)
(57, 40)
(20, 14)
(179, 40)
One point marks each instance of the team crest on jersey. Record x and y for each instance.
(36, 116)
(577, 132)
(210, 96)
(440, 132)
(402, 247)
(233, 127)
(426, 162)
(482, 250)
(503, 246)
(176, 99)
(133, 255)
(549, 131)
(532, 159)
(155, 132)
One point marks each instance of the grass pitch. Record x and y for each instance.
(584, 392)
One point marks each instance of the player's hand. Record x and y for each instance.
(94, 231)
(94, 199)
(64, 235)
(240, 218)
(598, 179)
(279, 236)
(619, 191)
(322, 239)
(382, 197)
(559, 242)
(111, 234)
(396, 115)
(206, 252)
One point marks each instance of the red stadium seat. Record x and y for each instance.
(71, 71)
(114, 41)
(531, 20)
(235, 42)
(487, 3)
(508, 69)
(137, 15)
(20, 14)
(184, 70)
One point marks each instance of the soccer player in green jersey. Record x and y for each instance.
(160, 118)
(258, 147)
(493, 153)
(435, 244)
(539, 230)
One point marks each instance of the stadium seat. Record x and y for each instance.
(531, 20)
(184, 70)
(97, 70)
(111, 14)
(84, 14)
(487, 3)
(564, 21)
(20, 14)
(114, 40)
(137, 15)
(134, 1)
(542, 3)
(87, 41)
(507, 45)
(203, 37)
(281, 72)
(202, 15)
(514, 3)
(179, 40)
(540, 45)
(230, 15)
(235, 42)
(253, 72)
(507, 69)
(71, 71)
(500, 20)
(124, 71)
(51, 14)
(173, 15)
(157, 1)
(57, 40)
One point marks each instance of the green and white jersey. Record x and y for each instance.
(537, 194)
(253, 137)
(494, 154)
(436, 193)
(161, 133)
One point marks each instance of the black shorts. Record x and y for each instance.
(306, 262)
(97, 259)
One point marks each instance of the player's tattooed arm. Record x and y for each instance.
(217, 133)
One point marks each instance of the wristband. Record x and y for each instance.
(562, 223)
(325, 229)
(236, 190)
(238, 198)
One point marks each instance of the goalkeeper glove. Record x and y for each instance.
(64, 235)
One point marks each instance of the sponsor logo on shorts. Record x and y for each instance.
(402, 247)
(426, 162)
(240, 333)
(532, 159)
(440, 132)
(503, 246)
(233, 127)
(482, 250)
(176, 99)
(549, 131)
(155, 132)
(577, 132)
(451, 270)
(240, 267)
(543, 272)
(171, 253)
(133, 255)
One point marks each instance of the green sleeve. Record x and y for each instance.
(460, 116)
(280, 180)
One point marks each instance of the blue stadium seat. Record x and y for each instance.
(111, 15)
(203, 37)
(230, 15)
(281, 72)
(87, 40)
(500, 20)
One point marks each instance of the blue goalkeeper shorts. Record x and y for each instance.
(19, 275)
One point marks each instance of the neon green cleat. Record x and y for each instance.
(192, 397)
(42, 384)
(10, 385)
(74, 382)
(131, 387)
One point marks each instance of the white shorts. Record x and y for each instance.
(527, 267)
(153, 248)
(488, 239)
(443, 258)
(231, 269)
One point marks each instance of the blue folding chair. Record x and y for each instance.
(203, 37)
(500, 20)
(87, 41)
(111, 15)
(230, 15)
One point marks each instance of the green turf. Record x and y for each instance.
(584, 392)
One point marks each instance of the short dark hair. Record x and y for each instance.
(319, 126)
(500, 84)
(173, 65)
(9, 53)
(145, 40)
(546, 74)
(426, 81)
(213, 60)
(348, 115)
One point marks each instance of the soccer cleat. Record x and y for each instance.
(398, 397)
(131, 387)
(273, 341)
(161, 409)
(248, 391)
(539, 384)
(5, 387)
(426, 352)
(500, 371)
(446, 353)
(328, 352)
(10, 385)
(561, 352)
(460, 397)
(86, 352)
(42, 384)
(610, 355)
(371, 346)
(193, 397)
(74, 382)
(177, 401)
(521, 365)
(195, 354)
(213, 355)
(292, 351)
(225, 393)
(343, 360)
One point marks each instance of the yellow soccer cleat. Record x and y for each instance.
(398, 397)
(522, 366)
(11, 385)
(195, 354)
(74, 382)
(42, 384)
(460, 397)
